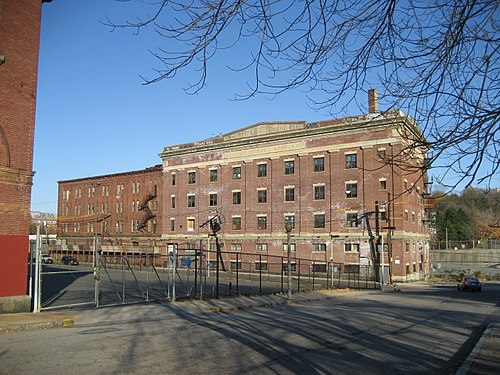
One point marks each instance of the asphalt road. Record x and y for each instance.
(422, 330)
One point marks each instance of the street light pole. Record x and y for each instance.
(288, 228)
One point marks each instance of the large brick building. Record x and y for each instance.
(19, 45)
(325, 177)
(122, 208)
(339, 182)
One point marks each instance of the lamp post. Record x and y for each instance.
(288, 229)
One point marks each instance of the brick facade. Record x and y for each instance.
(19, 45)
(122, 208)
(325, 176)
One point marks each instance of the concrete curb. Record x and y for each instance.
(464, 369)
(36, 326)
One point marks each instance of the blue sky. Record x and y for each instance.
(94, 115)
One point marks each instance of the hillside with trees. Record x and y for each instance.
(473, 215)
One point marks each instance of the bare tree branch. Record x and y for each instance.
(436, 60)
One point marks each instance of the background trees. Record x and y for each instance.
(437, 60)
(473, 215)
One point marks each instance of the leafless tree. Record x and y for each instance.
(437, 60)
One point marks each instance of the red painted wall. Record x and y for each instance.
(13, 265)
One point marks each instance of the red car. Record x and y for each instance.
(469, 283)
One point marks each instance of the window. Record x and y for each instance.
(191, 201)
(261, 170)
(172, 224)
(319, 267)
(119, 189)
(291, 219)
(289, 167)
(292, 247)
(213, 199)
(319, 220)
(406, 215)
(236, 197)
(236, 173)
(319, 164)
(351, 190)
(260, 266)
(413, 217)
(136, 186)
(261, 222)
(214, 175)
(172, 201)
(351, 247)
(383, 215)
(191, 177)
(383, 185)
(319, 247)
(119, 226)
(319, 192)
(293, 266)
(381, 153)
(351, 268)
(351, 161)
(261, 247)
(190, 224)
(173, 179)
(289, 194)
(262, 196)
(236, 223)
(236, 265)
(235, 247)
(135, 224)
(352, 219)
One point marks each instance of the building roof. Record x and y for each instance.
(292, 129)
(156, 168)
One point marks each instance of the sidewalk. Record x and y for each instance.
(483, 360)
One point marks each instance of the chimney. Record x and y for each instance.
(372, 101)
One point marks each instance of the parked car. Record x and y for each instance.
(69, 260)
(47, 259)
(469, 283)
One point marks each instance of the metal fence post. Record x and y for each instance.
(38, 276)
(260, 274)
(237, 274)
(174, 269)
(96, 274)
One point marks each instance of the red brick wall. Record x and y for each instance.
(147, 179)
(406, 207)
(19, 44)
(20, 31)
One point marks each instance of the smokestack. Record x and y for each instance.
(372, 101)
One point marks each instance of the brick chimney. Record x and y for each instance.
(372, 101)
